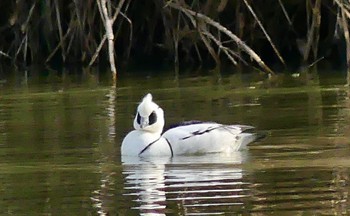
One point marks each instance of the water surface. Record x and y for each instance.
(60, 147)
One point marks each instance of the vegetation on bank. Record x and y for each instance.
(262, 34)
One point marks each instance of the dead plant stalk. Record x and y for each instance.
(313, 31)
(192, 15)
(110, 36)
(264, 31)
(109, 33)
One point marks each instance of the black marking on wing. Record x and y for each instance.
(198, 132)
(242, 128)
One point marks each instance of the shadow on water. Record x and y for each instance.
(60, 146)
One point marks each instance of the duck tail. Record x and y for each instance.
(244, 139)
(260, 136)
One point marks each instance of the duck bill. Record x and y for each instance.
(143, 122)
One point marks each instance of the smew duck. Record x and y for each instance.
(192, 137)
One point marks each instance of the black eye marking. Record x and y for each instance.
(138, 118)
(152, 118)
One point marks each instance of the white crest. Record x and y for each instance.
(147, 97)
(147, 106)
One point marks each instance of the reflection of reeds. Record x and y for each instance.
(75, 31)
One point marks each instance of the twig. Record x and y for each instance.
(346, 35)
(100, 10)
(25, 25)
(315, 62)
(77, 12)
(58, 46)
(110, 36)
(222, 5)
(25, 49)
(120, 5)
(176, 43)
(264, 31)
(210, 48)
(189, 13)
(198, 53)
(5, 54)
(97, 52)
(130, 35)
(24, 30)
(221, 47)
(285, 12)
(60, 30)
(200, 59)
(342, 6)
(70, 43)
(317, 12)
(19, 48)
(313, 35)
(201, 28)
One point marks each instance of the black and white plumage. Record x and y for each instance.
(193, 137)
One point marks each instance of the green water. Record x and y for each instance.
(60, 147)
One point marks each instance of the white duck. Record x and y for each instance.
(192, 137)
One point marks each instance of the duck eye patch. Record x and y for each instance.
(138, 118)
(152, 118)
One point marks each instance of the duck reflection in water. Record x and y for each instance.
(191, 182)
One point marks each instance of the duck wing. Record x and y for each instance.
(204, 137)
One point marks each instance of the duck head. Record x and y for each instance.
(149, 116)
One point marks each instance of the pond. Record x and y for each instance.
(60, 146)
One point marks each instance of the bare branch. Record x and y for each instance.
(285, 13)
(5, 54)
(110, 36)
(191, 14)
(116, 13)
(264, 31)
(58, 45)
(130, 35)
(346, 36)
(60, 30)
(221, 47)
(313, 32)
